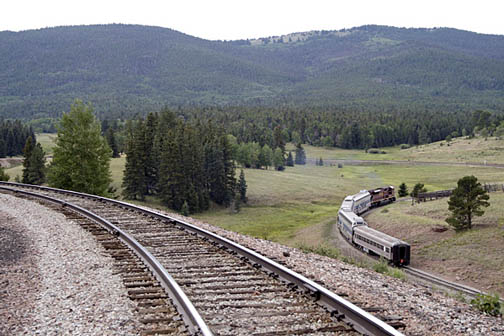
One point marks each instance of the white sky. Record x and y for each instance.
(241, 19)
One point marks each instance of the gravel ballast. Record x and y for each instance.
(80, 301)
(60, 280)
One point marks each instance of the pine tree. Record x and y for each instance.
(28, 149)
(278, 159)
(403, 190)
(111, 140)
(289, 162)
(466, 202)
(242, 187)
(81, 156)
(417, 189)
(300, 158)
(134, 183)
(33, 164)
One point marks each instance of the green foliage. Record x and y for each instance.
(278, 159)
(300, 158)
(403, 190)
(13, 137)
(489, 304)
(81, 156)
(242, 187)
(465, 202)
(3, 174)
(417, 189)
(290, 161)
(323, 250)
(381, 267)
(34, 171)
(185, 209)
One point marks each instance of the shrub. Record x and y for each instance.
(374, 151)
(405, 146)
(489, 304)
(381, 267)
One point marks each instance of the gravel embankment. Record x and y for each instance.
(55, 279)
(84, 297)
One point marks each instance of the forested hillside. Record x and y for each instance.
(125, 70)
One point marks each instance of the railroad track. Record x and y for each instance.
(465, 290)
(234, 290)
(428, 277)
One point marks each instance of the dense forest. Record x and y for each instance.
(13, 137)
(185, 164)
(126, 70)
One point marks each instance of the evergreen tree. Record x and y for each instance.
(417, 189)
(278, 159)
(3, 175)
(278, 138)
(111, 140)
(242, 187)
(466, 202)
(289, 162)
(134, 184)
(33, 163)
(81, 156)
(27, 151)
(403, 190)
(300, 158)
(265, 156)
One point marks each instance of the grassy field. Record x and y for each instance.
(46, 140)
(462, 150)
(298, 206)
(474, 257)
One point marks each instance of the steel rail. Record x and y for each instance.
(192, 318)
(445, 283)
(359, 319)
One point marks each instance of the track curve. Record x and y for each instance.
(236, 290)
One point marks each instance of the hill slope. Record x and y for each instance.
(126, 69)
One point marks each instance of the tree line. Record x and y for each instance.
(185, 164)
(13, 137)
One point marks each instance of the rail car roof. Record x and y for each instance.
(351, 216)
(376, 235)
(362, 194)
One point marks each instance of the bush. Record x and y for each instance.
(374, 151)
(404, 146)
(489, 304)
(381, 267)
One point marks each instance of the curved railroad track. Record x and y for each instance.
(425, 276)
(235, 290)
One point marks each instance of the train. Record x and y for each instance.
(355, 229)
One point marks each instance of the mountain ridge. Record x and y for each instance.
(129, 69)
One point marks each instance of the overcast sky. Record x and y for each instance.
(241, 19)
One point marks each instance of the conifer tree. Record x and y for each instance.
(242, 187)
(278, 159)
(289, 162)
(403, 190)
(300, 158)
(111, 140)
(33, 164)
(134, 184)
(81, 156)
(466, 202)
